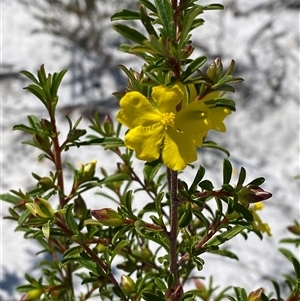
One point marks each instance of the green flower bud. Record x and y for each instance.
(87, 172)
(127, 285)
(108, 126)
(215, 70)
(146, 253)
(41, 141)
(46, 183)
(43, 208)
(75, 134)
(252, 194)
(108, 217)
(32, 295)
(80, 208)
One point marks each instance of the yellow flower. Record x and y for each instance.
(167, 125)
(257, 222)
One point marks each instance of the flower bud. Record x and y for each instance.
(75, 134)
(46, 183)
(108, 217)
(146, 254)
(256, 295)
(32, 295)
(295, 229)
(43, 208)
(187, 51)
(108, 126)
(253, 194)
(41, 141)
(127, 285)
(87, 172)
(215, 70)
(80, 208)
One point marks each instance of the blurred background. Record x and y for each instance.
(262, 36)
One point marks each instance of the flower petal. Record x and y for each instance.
(218, 114)
(146, 141)
(136, 110)
(178, 150)
(168, 98)
(194, 118)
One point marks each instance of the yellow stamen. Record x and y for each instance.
(168, 119)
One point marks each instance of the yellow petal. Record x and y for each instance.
(136, 110)
(198, 139)
(167, 98)
(146, 141)
(217, 117)
(213, 95)
(178, 150)
(193, 119)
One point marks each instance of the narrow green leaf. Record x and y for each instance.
(195, 65)
(240, 294)
(244, 212)
(257, 181)
(30, 76)
(198, 177)
(151, 169)
(242, 177)
(147, 21)
(118, 248)
(225, 253)
(227, 171)
(149, 5)
(9, 198)
(214, 6)
(165, 13)
(152, 297)
(130, 33)
(211, 144)
(125, 14)
(70, 221)
(188, 23)
(220, 239)
(38, 92)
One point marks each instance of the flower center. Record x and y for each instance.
(168, 119)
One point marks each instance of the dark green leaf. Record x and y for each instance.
(70, 221)
(227, 171)
(130, 33)
(225, 253)
(152, 297)
(165, 13)
(211, 144)
(186, 217)
(220, 239)
(206, 185)
(150, 169)
(118, 247)
(147, 22)
(9, 198)
(125, 14)
(188, 24)
(240, 294)
(195, 65)
(242, 177)
(149, 5)
(244, 212)
(257, 181)
(214, 6)
(199, 176)
(30, 76)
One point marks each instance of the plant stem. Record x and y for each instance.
(172, 177)
(58, 162)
